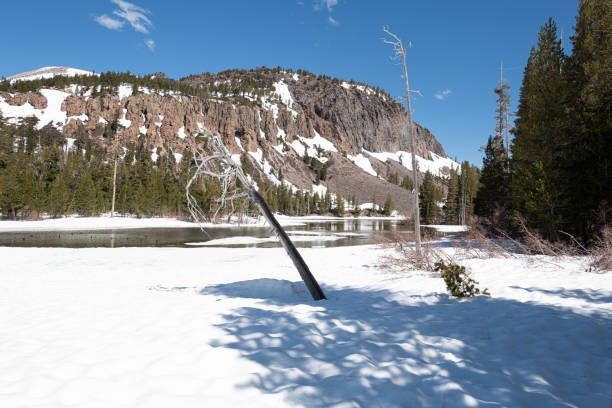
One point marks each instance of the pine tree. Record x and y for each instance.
(453, 199)
(33, 192)
(539, 133)
(356, 207)
(407, 183)
(12, 199)
(585, 153)
(469, 181)
(374, 204)
(326, 204)
(494, 191)
(339, 205)
(59, 197)
(428, 198)
(315, 205)
(85, 197)
(503, 112)
(388, 206)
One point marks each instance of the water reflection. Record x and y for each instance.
(333, 233)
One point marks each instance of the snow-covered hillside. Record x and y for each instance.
(48, 72)
(53, 113)
(274, 128)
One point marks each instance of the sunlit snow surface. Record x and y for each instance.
(436, 166)
(201, 326)
(48, 72)
(51, 114)
(362, 162)
(123, 121)
(264, 164)
(125, 90)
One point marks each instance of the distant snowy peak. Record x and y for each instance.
(48, 72)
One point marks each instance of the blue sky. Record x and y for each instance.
(457, 46)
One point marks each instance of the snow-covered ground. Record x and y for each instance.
(194, 327)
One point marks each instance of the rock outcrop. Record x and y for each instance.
(288, 115)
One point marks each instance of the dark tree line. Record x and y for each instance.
(559, 177)
(40, 174)
(462, 187)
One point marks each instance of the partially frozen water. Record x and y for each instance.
(311, 234)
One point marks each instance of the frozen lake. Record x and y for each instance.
(311, 234)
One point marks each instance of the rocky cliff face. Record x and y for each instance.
(352, 116)
(277, 122)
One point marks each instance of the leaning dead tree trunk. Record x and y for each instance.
(400, 53)
(218, 163)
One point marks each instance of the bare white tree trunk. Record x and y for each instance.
(114, 188)
(400, 52)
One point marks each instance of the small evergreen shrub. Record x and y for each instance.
(458, 283)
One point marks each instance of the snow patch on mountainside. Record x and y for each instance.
(52, 114)
(438, 166)
(321, 142)
(360, 88)
(265, 165)
(123, 121)
(364, 163)
(181, 132)
(125, 90)
(48, 72)
(312, 146)
(282, 91)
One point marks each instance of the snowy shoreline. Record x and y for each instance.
(107, 222)
(148, 327)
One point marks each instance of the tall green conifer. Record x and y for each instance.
(538, 136)
(586, 152)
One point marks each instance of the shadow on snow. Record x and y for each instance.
(366, 348)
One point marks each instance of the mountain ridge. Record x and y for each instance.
(278, 122)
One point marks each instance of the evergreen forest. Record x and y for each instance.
(556, 174)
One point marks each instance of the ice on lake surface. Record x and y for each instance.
(313, 234)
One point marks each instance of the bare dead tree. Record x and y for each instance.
(115, 149)
(399, 53)
(216, 161)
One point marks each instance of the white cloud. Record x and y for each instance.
(135, 15)
(150, 44)
(109, 22)
(329, 4)
(442, 94)
(332, 20)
